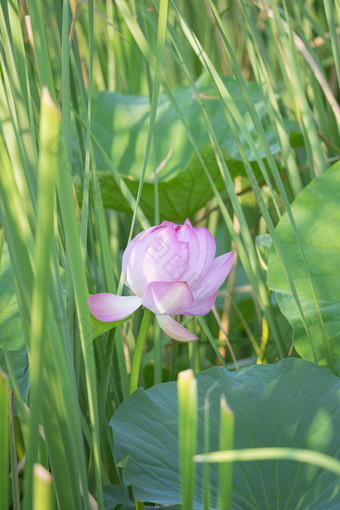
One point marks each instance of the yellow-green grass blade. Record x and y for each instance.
(49, 128)
(231, 120)
(42, 481)
(16, 66)
(41, 47)
(330, 15)
(85, 204)
(18, 233)
(262, 69)
(290, 52)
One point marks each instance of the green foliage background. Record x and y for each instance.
(113, 117)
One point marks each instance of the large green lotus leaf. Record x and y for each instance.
(120, 123)
(11, 332)
(316, 212)
(293, 403)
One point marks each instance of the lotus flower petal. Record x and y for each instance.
(167, 297)
(166, 223)
(186, 233)
(213, 280)
(174, 330)
(201, 307)
(156, 256)
(108, 307)
(207, 250)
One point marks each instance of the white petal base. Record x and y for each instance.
(174, 330)
(108, 307)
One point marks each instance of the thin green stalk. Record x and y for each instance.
(226, 442)
(157, 376)
(13, 458)
(137, 355)
(206, 470)
(4, 440)
(106, 372)
(211, 339)
(187, 426)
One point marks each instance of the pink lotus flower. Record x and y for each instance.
(172, 270)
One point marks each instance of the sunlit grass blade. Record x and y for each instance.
(18, 128)
(259, 454)
(318, 164)
(262, 68)
(278, 248)
(42, 481)
(187, 401)
(4, 441)
(49, 128)
(137, 354)
(330, 15)
(77, 275)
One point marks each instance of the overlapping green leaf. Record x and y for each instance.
(316, 212)
(120, 124)
(293, 403)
